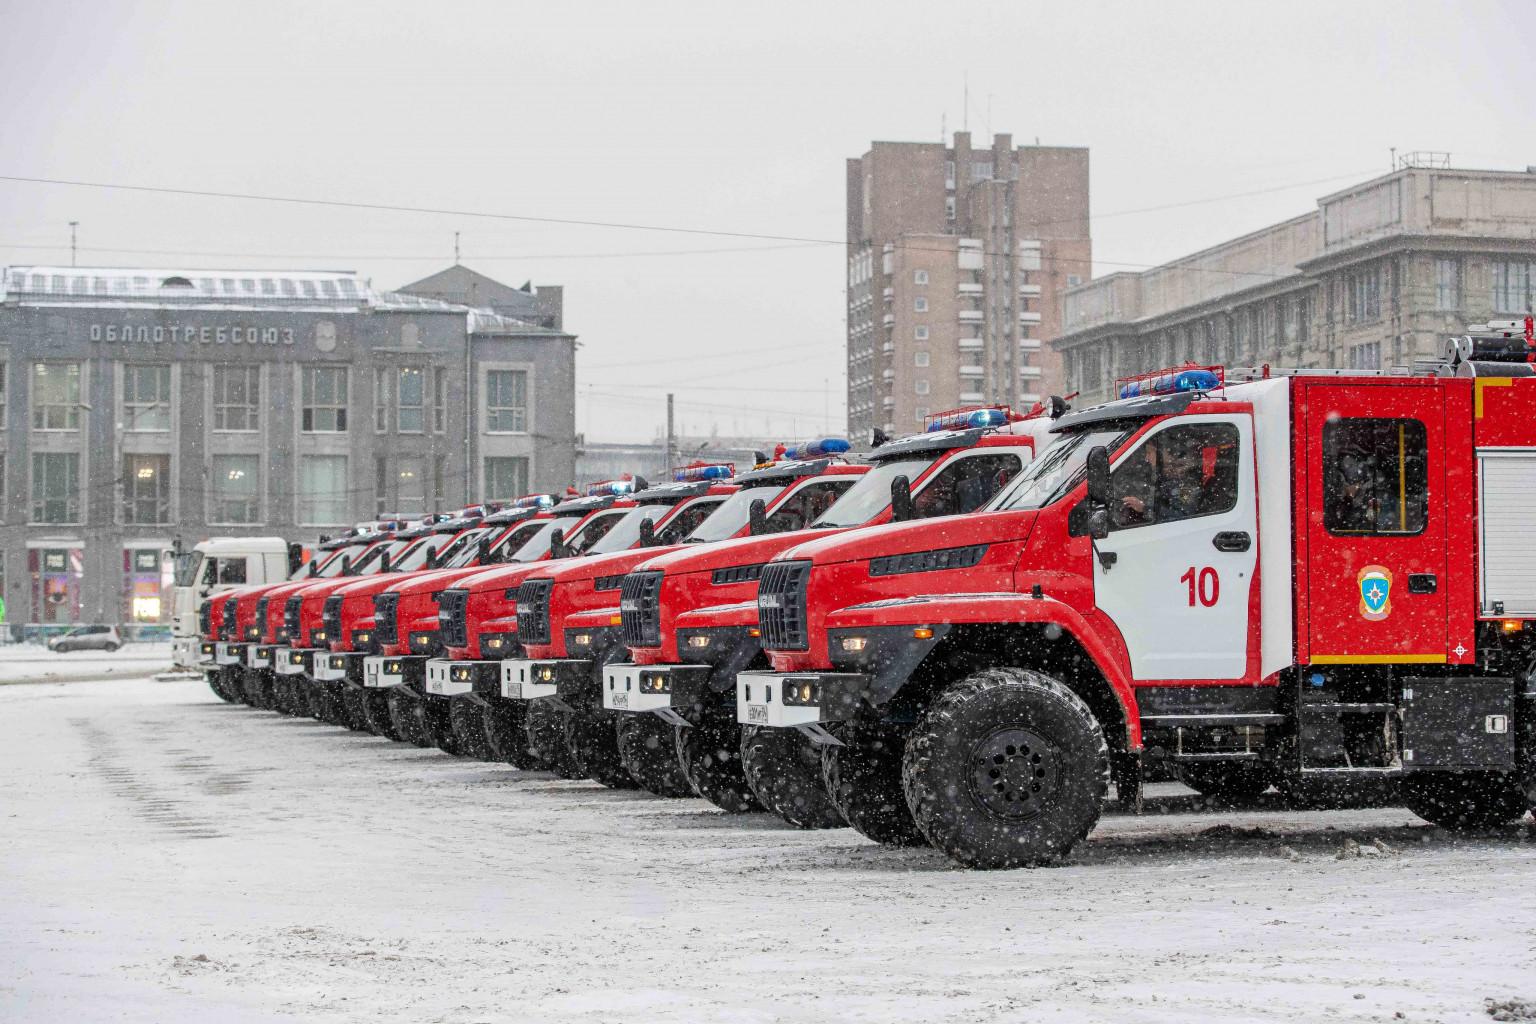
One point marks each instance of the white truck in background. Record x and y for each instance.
(220, 564)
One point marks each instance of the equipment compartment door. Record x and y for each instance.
(1376, 524)
(1184, 543)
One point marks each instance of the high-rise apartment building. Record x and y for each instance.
(956, 261)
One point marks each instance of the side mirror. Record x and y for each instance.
(313, 565)
(346, 565)
(557, 546)
(483, 551)
(1096, 521)
(648, 537)
(384, 562)
(757, 518)
(903, 508)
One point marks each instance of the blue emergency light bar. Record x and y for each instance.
(964, 419)
(705, 471)
(611, 487)
(534, 501)
(817, 449)
(1171, 383)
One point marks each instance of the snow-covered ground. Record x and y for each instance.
(166, 857)
(33, 662)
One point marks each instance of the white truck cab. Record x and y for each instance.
(216, 565)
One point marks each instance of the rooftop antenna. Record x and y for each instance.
(455, 248)
(965, 119)
(989, 115)
(1393, 151)
(72, 226)
(944, 127)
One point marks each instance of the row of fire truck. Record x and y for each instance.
(1318, 580)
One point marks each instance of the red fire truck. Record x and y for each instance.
(568, 619)
(1310, 575)
(477, 617)
(690, 617)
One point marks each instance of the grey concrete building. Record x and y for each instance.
(141, 406)
(1377, 276)
(542, 305)
(956, 261)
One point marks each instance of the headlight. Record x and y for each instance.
(492, 643)
(253, 632)
(318, 636)
(363, 637)
(581, 640)
(547, 674)
(854, 644)
(698, 640)
(461, 673)
(338, 661)
(801, 691)
(657, 682)
(392, 668)
(421, 639)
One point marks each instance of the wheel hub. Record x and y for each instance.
(1012, 773)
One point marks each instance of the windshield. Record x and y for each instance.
(537, 545)
(625, 532)
(1054, 472)
(445, 548)
(731, 516)
(331, 567)
(187, 564)
(593, 531)
(870, 496)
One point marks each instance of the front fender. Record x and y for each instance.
(1001, 609)
(742, 613)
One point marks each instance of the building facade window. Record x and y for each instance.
(322, 490)
(920, 304)
(147, 397)
(324, 396)
(920, 358)
(2, 396)
(439, 401)
(56, 574)
(234, 491)
(921, 387)
(949, 207)
(920, 332)
(506, 401)
(146, 586)
(1366, 356)
(410, 486)
(506, 477)
(1447, 284)
(1362, 294)
(55, 396)
(411, 400)
(147, 489)
(981, 170)
(1512, 286)
(55, 487)
(237, 399)
(380, 399)
(919, 277)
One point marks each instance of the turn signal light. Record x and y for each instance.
(1512, 625)
(922, 633)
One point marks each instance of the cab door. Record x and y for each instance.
(1183, 549)
(1376, 524)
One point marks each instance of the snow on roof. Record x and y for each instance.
(294, 290)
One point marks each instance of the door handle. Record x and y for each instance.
(1232, 540)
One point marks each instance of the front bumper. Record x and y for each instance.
(185, 652)
(531, 680)
(663, 689)
(834, 697)
(329, 667)
(380, 670)
(228, 654)
(448, 678)
(258, 656)
(292, 661)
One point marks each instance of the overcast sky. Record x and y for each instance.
(710, 116)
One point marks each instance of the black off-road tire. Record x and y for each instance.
(405, 716)
(311, 697)
(354, 708)
(1227, 784)
(1464, 800)
(218, 682)
(783, 770)
(544, 724)
(648, 750)
(1007, 768)
(332, 709)
(709, 753)
(863, 778)
(468, 720)
(506, 733)
(593, 740)
(437, 723)
(376, 709)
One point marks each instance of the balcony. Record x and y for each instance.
(888, 294)
(972, 289)
(972, 344)
(888, 401)
(972, 316)
(1029, 344)
(973, 371)
(1028, 316)
(1029, 289)
(972, 396)
(888, 320)
(887, 374)
(1030, 372)
(1028, 397)
(888, 347)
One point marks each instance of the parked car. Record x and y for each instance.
(87, 638)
